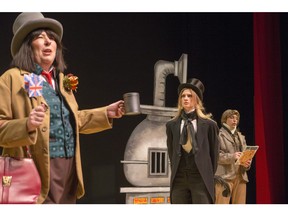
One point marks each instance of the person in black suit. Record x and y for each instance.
(193, 148)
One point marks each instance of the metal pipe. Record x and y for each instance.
(161, 70)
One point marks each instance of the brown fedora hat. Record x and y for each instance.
(27, 22)
(195, 84)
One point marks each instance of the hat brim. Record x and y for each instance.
(190, 86)
(22, 32)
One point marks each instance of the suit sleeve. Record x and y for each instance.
(169, 141)
(225, 157)
(93, 120)
(214, 145)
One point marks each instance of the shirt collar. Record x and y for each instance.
(228, 128)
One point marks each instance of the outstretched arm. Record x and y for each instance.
(116, 110)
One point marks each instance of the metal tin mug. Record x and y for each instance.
(132, 103)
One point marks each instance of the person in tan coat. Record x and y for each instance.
(40, 111)
(231, 187)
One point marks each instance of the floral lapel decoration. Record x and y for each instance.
(70, 82)
(33, 84)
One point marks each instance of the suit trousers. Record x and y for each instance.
(63, 181)
(238, 192)
(189, 188)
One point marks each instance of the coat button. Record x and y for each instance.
(44, 129)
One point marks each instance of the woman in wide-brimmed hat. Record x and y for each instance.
(193, 145)
(38, 109)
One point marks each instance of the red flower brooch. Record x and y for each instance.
(70, 82)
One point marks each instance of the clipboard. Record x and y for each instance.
(247, 154)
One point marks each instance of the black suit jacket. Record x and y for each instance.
(207, 155)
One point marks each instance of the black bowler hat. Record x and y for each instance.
(195, 84)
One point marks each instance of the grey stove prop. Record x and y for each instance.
(146, 162)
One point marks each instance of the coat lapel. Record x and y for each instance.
(177, 124)
(200, 132)
(227, 135)
(241, 137)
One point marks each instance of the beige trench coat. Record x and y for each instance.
(15, 106)
(226, 163)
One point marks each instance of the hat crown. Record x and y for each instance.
(24, 18)
(29, 21)
(197, 83)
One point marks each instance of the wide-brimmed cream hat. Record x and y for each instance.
(27, 22)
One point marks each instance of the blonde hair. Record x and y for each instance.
(228, 113)
(199, 107)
